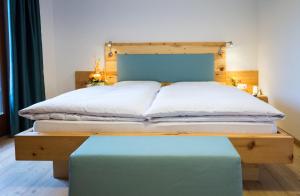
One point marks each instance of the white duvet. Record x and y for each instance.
(124, 101)
(141, 101)
(208, 101)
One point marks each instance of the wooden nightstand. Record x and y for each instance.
(98, 84)
(81, 79)
(263, 98)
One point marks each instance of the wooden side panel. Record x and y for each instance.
(264, 150)
(81, 78)
(273, 148)
(246, 77)
(46, 148)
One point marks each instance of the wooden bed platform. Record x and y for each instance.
(254, 149)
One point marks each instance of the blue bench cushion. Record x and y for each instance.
(155, 165)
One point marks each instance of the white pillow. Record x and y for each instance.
(207, 98)
(129, 99)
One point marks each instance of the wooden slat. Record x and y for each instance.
(170, 44)
(264, 148)
(165, 49)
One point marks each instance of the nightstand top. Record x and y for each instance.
(263, 98)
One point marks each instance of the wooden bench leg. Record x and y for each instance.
(60, 169)
(250, 172)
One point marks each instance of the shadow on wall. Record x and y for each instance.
(292, 116)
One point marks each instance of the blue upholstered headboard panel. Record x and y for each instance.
(166, 67)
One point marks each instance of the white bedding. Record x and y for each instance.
(222, 118)
(200, 101)
(171, 127)
(136, 101)
(125, 101)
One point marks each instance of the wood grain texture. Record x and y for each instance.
(35, 146)
(246, 77)
(166, 48)
(258, 149)
(81, 78)
(61, 169)
(34, 178)
(263, 98)
(221, 74)
(250, 172)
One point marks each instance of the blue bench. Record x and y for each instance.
(155, 166)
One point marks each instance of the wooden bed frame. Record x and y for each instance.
(254, 149)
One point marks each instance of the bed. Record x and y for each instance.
(139, 105)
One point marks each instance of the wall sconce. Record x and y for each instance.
(109, 45)
(228, 44)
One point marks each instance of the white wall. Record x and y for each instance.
(75, 32)
(48, 39)
(278, 58)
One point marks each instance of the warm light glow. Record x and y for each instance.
(242, 86)
(97, 66)
(96, 75)
(254, 90)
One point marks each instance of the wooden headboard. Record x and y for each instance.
(216, 48)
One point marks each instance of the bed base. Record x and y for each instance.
(254, 149)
